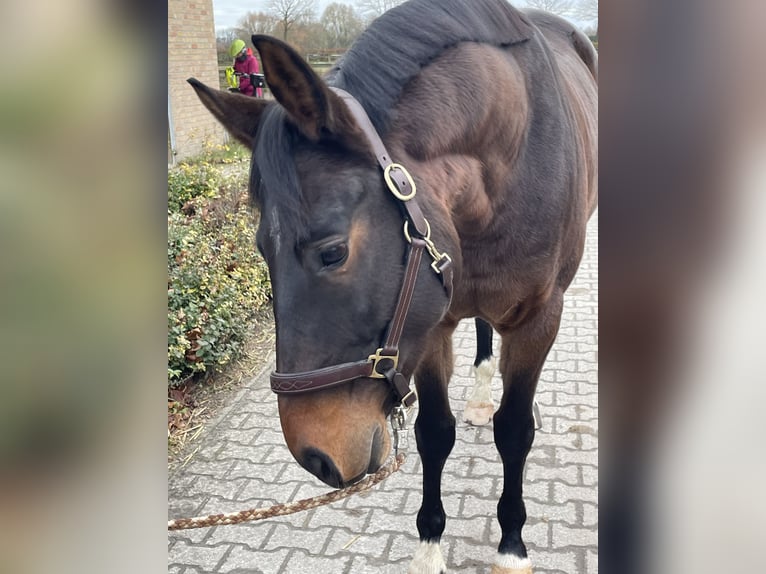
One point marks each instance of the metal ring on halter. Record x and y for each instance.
(392, 186)
(399, 418)
(407, 235)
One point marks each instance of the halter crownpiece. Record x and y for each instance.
(384, 363)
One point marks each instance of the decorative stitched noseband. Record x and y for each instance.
(383, 364)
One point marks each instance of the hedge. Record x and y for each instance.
(217, 281)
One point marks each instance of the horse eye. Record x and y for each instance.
(334, 255)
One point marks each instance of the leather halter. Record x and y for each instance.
(383, 364)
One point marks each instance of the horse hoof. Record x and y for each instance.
(499, 570)
(478, 413)
(427, 560)
(510, 564)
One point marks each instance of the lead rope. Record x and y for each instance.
(398, 418)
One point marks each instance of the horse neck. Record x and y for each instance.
(463, 144)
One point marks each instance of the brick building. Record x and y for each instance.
(191, 53)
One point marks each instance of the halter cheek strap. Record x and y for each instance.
(402, 187)
(383, 364)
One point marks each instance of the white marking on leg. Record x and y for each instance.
(427, 560)
(510, 564)
(480, 408)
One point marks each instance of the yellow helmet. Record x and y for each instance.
(236, 47)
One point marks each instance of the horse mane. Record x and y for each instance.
(398, 44)
(375, 70)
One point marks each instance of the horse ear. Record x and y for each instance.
(315, 109)
(238, 113)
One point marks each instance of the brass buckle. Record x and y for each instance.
(377, 358)
(430, 247)
(435, 264)
(392, 186)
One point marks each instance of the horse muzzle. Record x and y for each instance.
(323, 466)
(337, 441)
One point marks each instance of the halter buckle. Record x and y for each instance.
(377, 358)
(392, 187)
(439, 259)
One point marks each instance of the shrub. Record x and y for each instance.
(189, 181)
(217, 281)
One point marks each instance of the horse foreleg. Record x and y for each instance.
(479, 408)
(521, 360)
(435, 435)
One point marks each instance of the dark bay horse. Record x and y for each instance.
(490, 117)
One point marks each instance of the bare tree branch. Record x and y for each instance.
(374, 8)
(291, 12)
(341, 25)
(559, 7)
(586, 10)
(257, 23)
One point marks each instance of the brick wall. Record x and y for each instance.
(191, 53)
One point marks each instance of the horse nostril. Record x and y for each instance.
(320, 465)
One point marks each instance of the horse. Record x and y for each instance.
(445, 168)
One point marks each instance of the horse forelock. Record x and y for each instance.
(274, 183)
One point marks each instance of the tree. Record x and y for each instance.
(288, 13)
(341, 25)
(586, 11)
(559, 7)
(226, 36)
(374, 8)
(257, 23)
(308, 37)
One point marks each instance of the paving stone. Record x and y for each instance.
(592, 562)
(564, 535)
(367, 545)
(563, 493)
(553, 561)
(552, 512)
(204, 557)
(242, 560)
(254, 535)
(590, 514)
(302, 563)
(363, 565)
(568, 474)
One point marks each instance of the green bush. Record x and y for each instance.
(191, 180)
(217, 281)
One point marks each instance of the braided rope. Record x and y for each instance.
(289, 508)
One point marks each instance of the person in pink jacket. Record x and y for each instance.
(245, 63)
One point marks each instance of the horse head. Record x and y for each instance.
(332, 235)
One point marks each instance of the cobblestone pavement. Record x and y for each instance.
(243, 463)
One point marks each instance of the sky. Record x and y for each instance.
(228, 12)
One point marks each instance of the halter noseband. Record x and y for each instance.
(383, 364)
